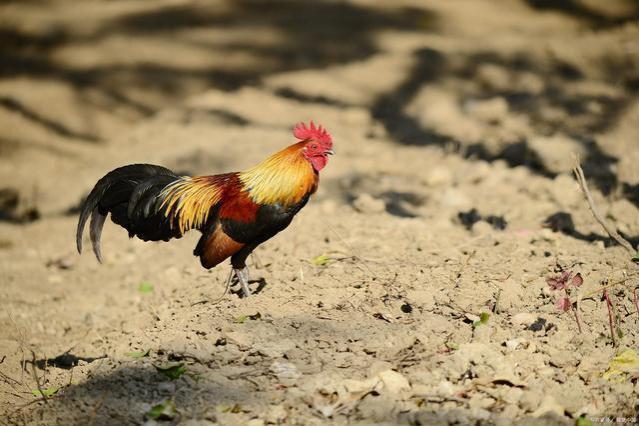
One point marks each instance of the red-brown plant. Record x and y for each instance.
(566, 282)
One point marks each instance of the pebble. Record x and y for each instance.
(379, 366)
(523, 319)
(513, 344)
(549, 404)
(393, 381)
(285, 370)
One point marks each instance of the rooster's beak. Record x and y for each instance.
(330, 152)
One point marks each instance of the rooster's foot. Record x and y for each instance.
(242, 277)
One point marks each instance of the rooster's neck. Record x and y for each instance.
(284, 178)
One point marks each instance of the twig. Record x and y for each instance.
(612, 327)
(597, 290)
(219, 299)
(37, 379)
(439, 398)
(634, 299)
(574, 309)
(581, 179)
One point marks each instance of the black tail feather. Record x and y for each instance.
(95, 231)
(136, 184)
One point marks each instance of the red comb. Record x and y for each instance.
(317, 133)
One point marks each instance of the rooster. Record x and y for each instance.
(235, 212)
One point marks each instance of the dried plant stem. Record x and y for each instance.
(574, 309)
(612, 326)
(603, 287)
(37, 379)
(581, 179)
(634, 299)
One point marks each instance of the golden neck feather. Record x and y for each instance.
(285, 177)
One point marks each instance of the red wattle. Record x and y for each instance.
(319, 162)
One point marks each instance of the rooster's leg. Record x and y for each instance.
(243, 277)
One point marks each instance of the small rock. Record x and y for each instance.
(523, 319)
(513, 344)
(255, 422)
(285, 370)
(377, 408)
(343, 359)
(379, 366)
(482, 228)
(64, 263)
(439, 176)
(530, 400)
(365, 203)
(480, 401)
(548, 404)
(471, 317)
(360, 387)
(446, 388)
(274, 348)
(276, 414)
(394, 381)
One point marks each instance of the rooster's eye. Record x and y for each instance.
(313, 146)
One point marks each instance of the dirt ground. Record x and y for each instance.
(389, 300)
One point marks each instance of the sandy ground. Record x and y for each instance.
(371, 301)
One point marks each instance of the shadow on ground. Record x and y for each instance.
(305, 35)
(582, 120)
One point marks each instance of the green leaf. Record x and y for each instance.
(452, 345)
(483, 319)
(321, 260)
(635, 258)
(145, 288)
(173, 371)
(242, 318)
(138, 354)
(582, 421)
(47, 393)
(163, 411)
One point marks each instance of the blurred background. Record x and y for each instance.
(491, 80)
(456, 124)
